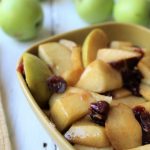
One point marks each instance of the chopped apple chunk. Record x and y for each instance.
(57, 56)
(67, 43)
(120, 44)
(72, 105)
(116, 55)
(94, 41)
(87, 133)
(73, 74)
(131, 101)
(63, 62)
(83, 147)
(122, 129)
(100, 77)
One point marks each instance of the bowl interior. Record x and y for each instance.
(115, 31)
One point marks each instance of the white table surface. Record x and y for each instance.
(26, 131)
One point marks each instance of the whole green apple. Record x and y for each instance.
(21, 18)
(132, 11)
(94, 11)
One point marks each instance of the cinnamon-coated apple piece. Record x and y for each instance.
(144, 147)
(116, 55)
(87, 133)
(73, 74)
(72, 105)
(145, 91)
(83, 147)
(144, 67)
(100, 77)
(131, 101)
(94, 41)
(63, 61)
(122, 129)
(57, 56)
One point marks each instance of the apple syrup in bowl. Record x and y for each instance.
(99, 90)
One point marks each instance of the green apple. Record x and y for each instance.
(132, 11)
(21, 18)
(94, 11)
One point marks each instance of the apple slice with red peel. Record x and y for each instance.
(97, 77)
(87, 133)
(116, 55)
(83, 147)
(94, 41)
(121, 124)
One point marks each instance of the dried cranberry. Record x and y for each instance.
(132, 80)
(57, 84)
(145, 120)
(99, 112)
(21, 68)
(138, 111)
(143, 117)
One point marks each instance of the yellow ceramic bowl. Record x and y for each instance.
(115, 31)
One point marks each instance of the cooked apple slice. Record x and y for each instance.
(144, 147)
(84, 93)
(100, 77)
(87, 133)
(36, 75)
(131, 101)
(57, 56)
(94, 41)
(67, 43)
(122, 129)
(68, 109)
(83, 147)
(73, 74)
(120, 93)
(63, 61)
(144, 67)
(120, 44)
(116, 55)
(72, 105)
(145, 91)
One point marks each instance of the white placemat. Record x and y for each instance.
(4, 136)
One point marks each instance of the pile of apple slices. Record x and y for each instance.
(101, 96)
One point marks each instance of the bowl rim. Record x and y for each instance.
(48, 125)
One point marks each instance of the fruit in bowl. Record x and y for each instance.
(106, 104)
